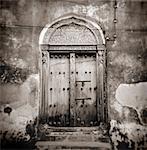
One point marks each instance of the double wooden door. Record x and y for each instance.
(72, 90)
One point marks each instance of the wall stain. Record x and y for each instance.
(12, 74)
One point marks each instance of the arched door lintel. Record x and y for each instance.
(50, 29)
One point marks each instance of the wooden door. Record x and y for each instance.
(85, 90)
(72, 90)
(58, 101)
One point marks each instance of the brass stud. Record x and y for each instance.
(91, 122)
(115, 20)
(95, 88)
(85, 71)
(81, 105)
(63, 72)
(63, 89)
(51, 73)
(72, 72)
(78, 119)
(54, 105)
(76, 72)
(59, 72)
(68, 88)
(82, 122)
(90, 72)
(114, 36)
(54, 122)
(90, 88)
(50, 89)
(50, 123)
(81, 89)
(50, 105)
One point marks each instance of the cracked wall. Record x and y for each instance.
(21, 23)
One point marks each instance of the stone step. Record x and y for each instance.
(49, 145)
(59, 138)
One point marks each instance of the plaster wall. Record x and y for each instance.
(20, 60)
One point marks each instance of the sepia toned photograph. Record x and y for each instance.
(73, 74)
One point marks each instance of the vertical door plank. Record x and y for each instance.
(72, 89)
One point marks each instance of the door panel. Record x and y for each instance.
(86, 114)
(59, 90)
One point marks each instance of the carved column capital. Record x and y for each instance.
(44, 56)
(101, 56)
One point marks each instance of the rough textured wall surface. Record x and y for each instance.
(21, 22)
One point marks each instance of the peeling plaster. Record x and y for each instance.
(132, 95)
(131, 101)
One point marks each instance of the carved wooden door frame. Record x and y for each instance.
(98, 48)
